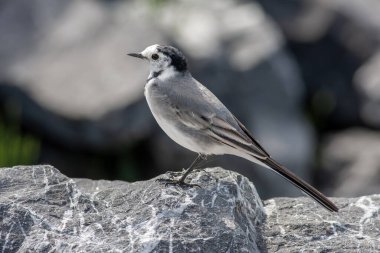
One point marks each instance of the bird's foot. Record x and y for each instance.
(175, 182)
(174, 174)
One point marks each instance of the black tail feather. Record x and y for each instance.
(302, 185)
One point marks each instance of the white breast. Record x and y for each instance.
(165, 123)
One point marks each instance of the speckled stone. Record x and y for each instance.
(42, 210)
(300, 225)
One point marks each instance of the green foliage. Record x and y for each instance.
(17, 148)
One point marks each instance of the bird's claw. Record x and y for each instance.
(174, 182)
(173, 174)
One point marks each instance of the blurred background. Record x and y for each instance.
(302, 75)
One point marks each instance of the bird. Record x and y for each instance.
(193, 117)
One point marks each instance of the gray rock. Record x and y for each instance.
(42, 210)
(351, 159)
(360, 31)
(75, 63)
(297, 225)
(302, 21)
(367, 81)
(68, 70)
(337, 46)
(355, 25)
(76, 87)
(360, 34)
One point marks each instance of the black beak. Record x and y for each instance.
(137, 55)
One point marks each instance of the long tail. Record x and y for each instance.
(302, 185)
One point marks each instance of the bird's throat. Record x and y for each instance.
(153, 74)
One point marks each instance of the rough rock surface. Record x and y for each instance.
(42, 210)
(296, 225)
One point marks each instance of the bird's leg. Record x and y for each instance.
(192, 166)
(181, 181)
(201, 166)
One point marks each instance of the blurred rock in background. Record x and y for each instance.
(351, 158)
(367, 81)
(298, 70)
(336, 44)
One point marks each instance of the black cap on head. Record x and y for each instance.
(178, 59)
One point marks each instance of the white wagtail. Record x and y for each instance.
(194, 117)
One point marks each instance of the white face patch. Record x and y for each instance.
(147, 52)
(156, 65)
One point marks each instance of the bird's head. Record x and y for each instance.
(162, 58)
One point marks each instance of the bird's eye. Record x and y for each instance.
(154, 56)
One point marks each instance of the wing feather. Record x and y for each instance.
(223, 131)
